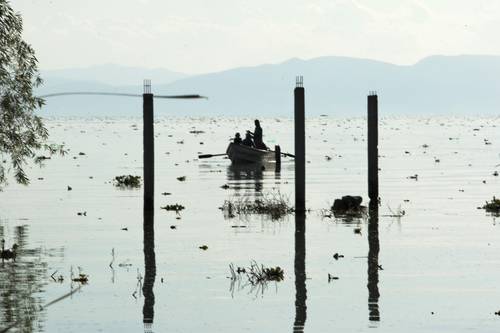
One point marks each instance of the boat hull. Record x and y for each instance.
(240, 154)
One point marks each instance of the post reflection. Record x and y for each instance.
(248, 177)
(150, 272)
(300, 273)
(373, 266)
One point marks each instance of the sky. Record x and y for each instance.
(200, 36)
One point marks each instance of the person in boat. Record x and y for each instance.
(237, 139)
(257, 136)
(248, 140)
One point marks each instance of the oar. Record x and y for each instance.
(210, 155)
(288, 155)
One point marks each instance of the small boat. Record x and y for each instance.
(241, 154)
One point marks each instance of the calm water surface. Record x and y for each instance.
(436, 269)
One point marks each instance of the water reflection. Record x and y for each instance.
(21, 282)
(373, 266)
(300, 273)
(247, 177)
(150, 271)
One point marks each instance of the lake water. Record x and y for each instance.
(435, 269)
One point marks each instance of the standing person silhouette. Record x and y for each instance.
(257, 136)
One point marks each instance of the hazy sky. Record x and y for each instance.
(195, 36)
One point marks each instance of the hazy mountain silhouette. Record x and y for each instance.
(334, 85)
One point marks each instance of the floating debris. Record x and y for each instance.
(82, 278)
(181, 179)
(175, 207)
(166, 193)
(336, 256)
(127, 181)
(225, 186)
(331, 277)
(398, 213)
(81, 213)
(203, 247)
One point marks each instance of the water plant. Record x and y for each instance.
(127, 181)
(257, 274)
(492, 206)
(274, 205)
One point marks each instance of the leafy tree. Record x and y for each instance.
(22, 132)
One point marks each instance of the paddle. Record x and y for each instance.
(210, 155)
(288, 155)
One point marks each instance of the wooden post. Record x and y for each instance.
(300, 147)
(149, 149)
(373, 147)
(277, 157)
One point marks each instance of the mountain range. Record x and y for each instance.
(467, 84)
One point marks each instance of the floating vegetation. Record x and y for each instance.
(181, 179)
(203, 247)
(492, 206)
(127, 181)
(274, 205)
(196, 132)
(346, 207)
(257, 274)
(175, 207)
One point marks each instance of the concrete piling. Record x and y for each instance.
(148, 142)
(372, 117)
(300, 146)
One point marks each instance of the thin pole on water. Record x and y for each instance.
(148, 141)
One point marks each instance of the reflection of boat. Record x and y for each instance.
(240, 154)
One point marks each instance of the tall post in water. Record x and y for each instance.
(149, 149)
(373, 147)
(300, 146)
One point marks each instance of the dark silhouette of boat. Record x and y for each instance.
(241, 154)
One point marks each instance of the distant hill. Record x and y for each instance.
(334, 85)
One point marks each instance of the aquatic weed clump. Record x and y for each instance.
(127, 181)
(346, 207)
(257, 277)
(257, 274)
(274, 205)
(492, 206)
